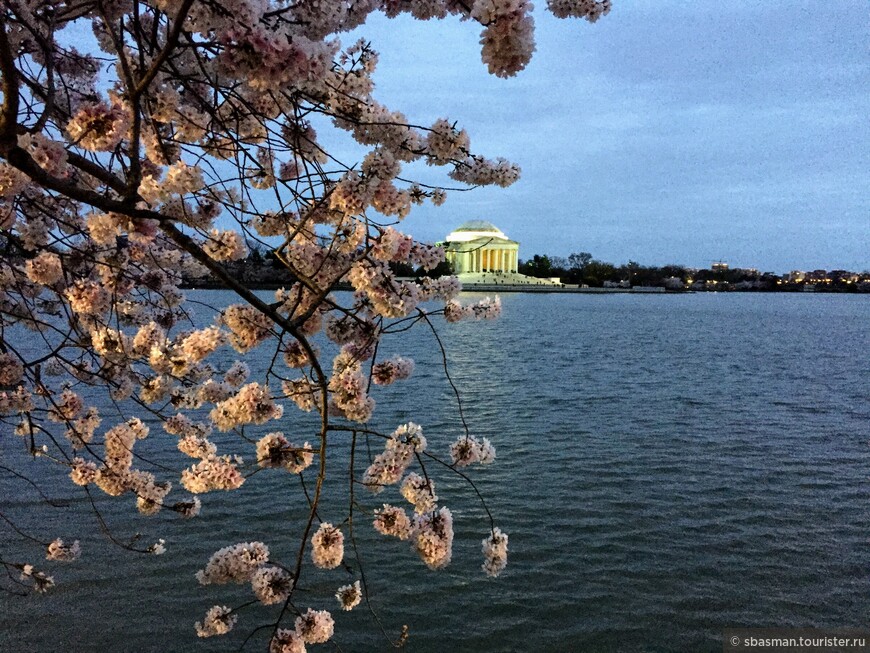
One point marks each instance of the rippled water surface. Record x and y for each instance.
(667, 466)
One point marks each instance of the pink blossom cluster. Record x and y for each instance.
(104, 228)
(394, 246)
(388, 296)
(446, 143)
(442, 288)
(393, 521)
(11, 370)
(83, 472)
(348, 387)
(197, 447)
(301, 392)
(433, 538)
(188, 509)
(315, 626)
(237, 374)
(327, 546)
(420, 493)
(274, 450)
(219, 620)
(12, 183)
(468, 450)
(180, 179)
(485, 309)
(99, 127)
(119, 441)
(389, 466)
(349, 330)
(591, 10)
(252, 404)
(111, 344)
(226, 245)
(271, 584)
(495, 549)
(270, 58)
(479, 171)
(61, 552)
(298, 301)
(295, 355)
(389, 371)
(44, 269)
(212, 473)
(287, 641)
(349, 596)
(181, 425)
(38, 580)
(50, 155)
(248, 326)
(508, 36)
(234, 564)
(88, 298)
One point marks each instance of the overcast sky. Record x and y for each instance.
(668, 131)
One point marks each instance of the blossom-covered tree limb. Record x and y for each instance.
(191, 129)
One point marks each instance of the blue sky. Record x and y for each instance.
(666, 132)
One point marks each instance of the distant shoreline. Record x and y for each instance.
(569, 289)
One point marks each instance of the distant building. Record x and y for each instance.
(719, 266)
(797, 276)
(479, 246)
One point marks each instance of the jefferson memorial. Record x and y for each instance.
(481, 254)
(479, 246)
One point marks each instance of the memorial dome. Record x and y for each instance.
(478, 246)
(474, 229)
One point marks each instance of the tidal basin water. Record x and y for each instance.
(668, 466)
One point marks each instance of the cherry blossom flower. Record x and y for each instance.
(468, 450)
(271, 585)
(212, 473)
(327, 546)
(99, 127)
(393, 521)
(495, 552)
(45, 269)
(234, 564)
(11, 370)
(315, 626)
(390, 371)
(420, 493)
(58, 551)
(286, 641)
(219, 620)
(433, 538)
(349, 596)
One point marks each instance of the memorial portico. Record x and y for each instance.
(479, 246)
